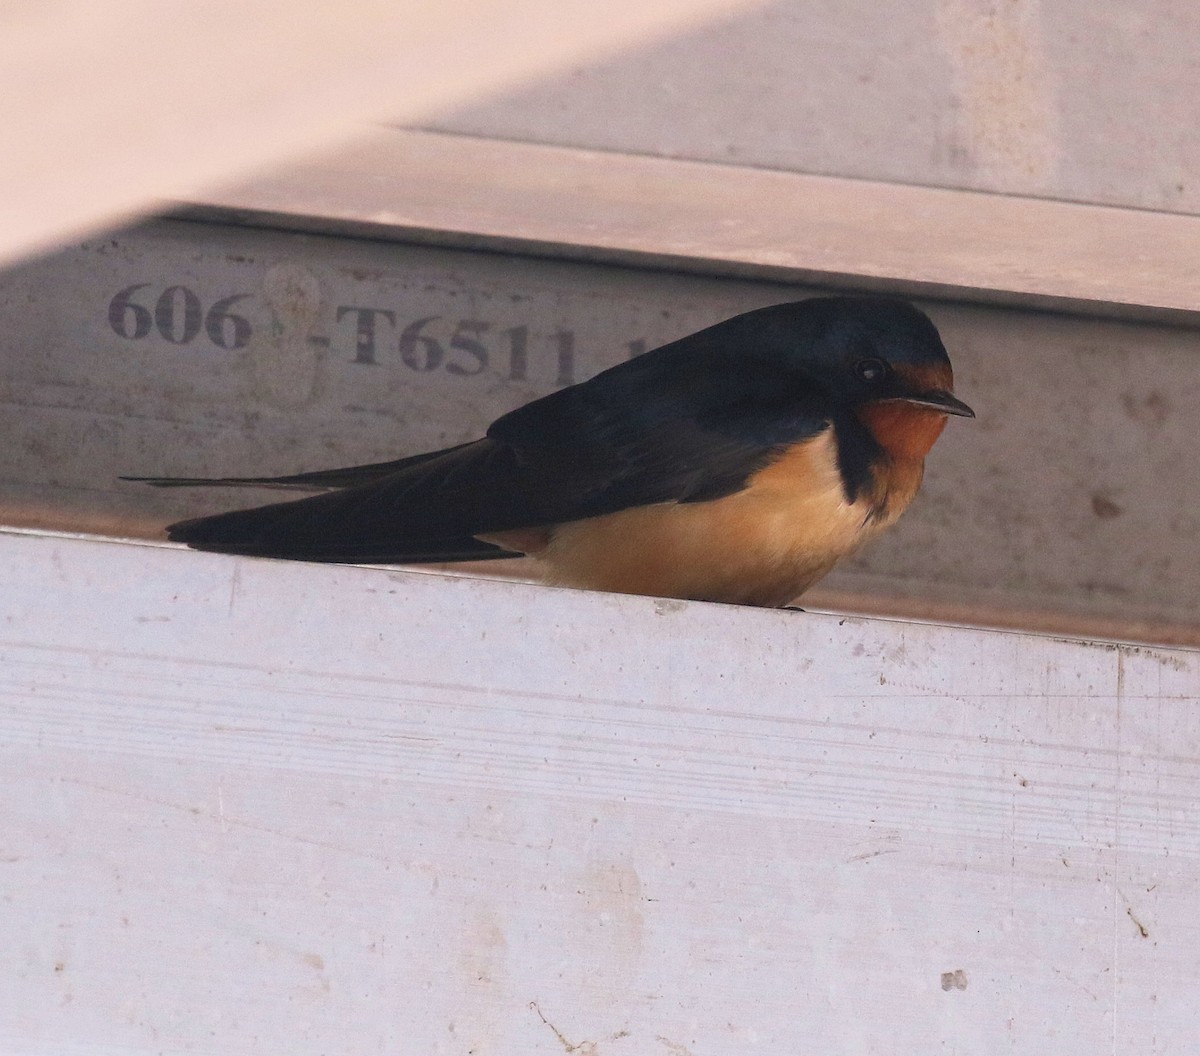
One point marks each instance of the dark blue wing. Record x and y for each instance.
(679, 424)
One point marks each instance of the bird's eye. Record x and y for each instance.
(871, 370)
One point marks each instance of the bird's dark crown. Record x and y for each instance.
(855, 349)
(823, 333)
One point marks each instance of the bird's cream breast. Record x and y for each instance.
(763, 545)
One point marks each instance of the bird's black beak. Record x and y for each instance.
(937, 400)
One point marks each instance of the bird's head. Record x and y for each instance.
(861, 350)
(878, 358)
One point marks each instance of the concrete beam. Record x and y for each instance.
(254, 806)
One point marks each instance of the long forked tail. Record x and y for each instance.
(346, 477)
(413, 510)
(272, 531)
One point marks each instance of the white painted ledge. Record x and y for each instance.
(727, 219)
(260, 807)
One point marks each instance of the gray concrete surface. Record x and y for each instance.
(1089, 100)
(730, 220)
(253, 807)
(1072, 499)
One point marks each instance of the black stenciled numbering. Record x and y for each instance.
(178, 316)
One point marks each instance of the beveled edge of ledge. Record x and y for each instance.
(723, 220)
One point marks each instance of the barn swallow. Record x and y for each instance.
(737, 464)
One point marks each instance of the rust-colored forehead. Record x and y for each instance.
(925, 377)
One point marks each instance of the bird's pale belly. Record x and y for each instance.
(764, 545)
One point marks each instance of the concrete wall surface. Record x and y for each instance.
(254, 807)
(1074, 99)
(1069, 504)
